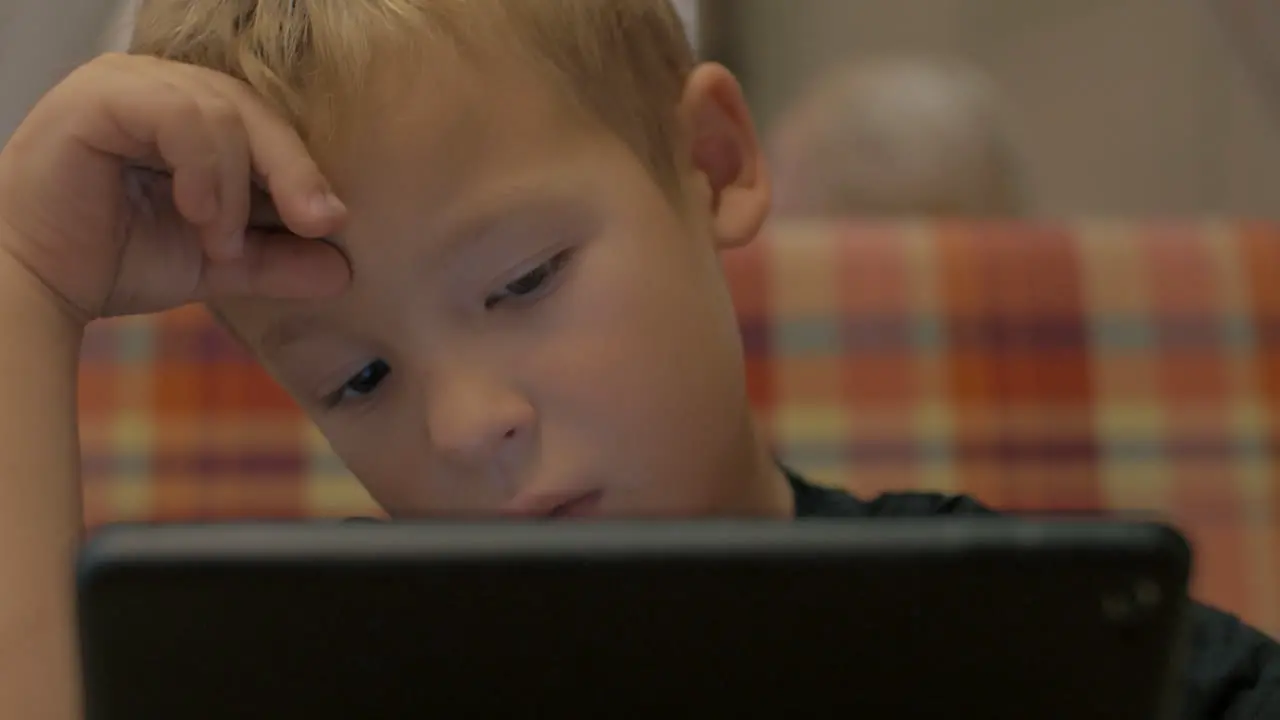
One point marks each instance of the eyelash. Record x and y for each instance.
(540, 277)
(372, 374)
(525, 287)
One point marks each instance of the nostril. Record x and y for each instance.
(509, 434)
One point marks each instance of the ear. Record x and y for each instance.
(732, 181)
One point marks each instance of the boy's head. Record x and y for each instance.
(893, 138)
(537, 321)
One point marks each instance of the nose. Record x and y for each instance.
(475, 420)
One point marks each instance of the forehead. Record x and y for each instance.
(441, 123)
(430, 157)
(418, 142)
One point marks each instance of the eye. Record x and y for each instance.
(531, 283)
(362, 383)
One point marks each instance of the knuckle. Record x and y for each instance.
(89, 74)
(184, 109)
(222, 115)
(233, 86)
(186, 113)
(111, 59)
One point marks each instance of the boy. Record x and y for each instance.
(480, 252)
(894, 138)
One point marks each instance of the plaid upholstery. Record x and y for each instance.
(178, 422)
(1118, 366)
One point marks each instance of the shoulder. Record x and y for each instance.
(819, 501)
(1232, 670)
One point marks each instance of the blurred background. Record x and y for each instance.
(1117, 107)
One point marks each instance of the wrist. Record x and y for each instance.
(29, 307)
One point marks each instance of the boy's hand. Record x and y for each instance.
(127, 190)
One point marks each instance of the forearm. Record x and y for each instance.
(40, 517)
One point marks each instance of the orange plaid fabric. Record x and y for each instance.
(1118, 366)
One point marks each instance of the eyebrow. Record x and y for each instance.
(500, 211)
(288, 331)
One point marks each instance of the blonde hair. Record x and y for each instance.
(625, 62)
(899, 137)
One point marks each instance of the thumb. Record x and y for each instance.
(278, 266)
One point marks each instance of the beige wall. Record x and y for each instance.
(688, 10)
(40, 42)
(1123, 106)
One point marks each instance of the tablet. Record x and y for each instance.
(975, 617)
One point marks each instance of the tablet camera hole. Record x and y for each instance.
(1132, 604)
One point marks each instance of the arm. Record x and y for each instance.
(76, 243)
(40, 519)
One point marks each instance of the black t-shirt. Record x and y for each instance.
(1233, 671)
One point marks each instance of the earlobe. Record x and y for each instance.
(725, 153)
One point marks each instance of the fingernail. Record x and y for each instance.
(327, 204)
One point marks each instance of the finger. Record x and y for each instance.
(227, 230)
(222, 237)
(277, 266)
(150, 117)
(302, 195)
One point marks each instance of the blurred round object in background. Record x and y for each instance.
(898, 137)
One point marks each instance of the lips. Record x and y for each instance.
(564, 504)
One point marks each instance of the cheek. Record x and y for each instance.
(387, 449)
(645, 331)
(368, 458)
(384, 456)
